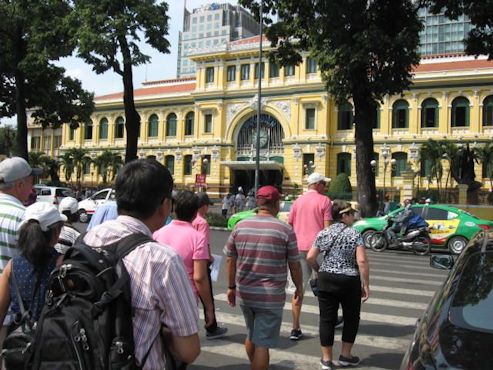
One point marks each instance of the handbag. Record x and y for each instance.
(314, 281)
(17, 345)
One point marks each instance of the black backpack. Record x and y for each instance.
(86, 322)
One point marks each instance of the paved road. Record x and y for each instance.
(401, 287)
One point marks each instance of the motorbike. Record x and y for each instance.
(417, 240)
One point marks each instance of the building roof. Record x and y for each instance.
(444, 65)
(156, 88)
(249, 40)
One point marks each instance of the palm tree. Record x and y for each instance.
(78, 156)
(431, 152)
(108, 162)
(38, 160)
(484, 155)
(450, 152)
(53, 168)
(68, 165)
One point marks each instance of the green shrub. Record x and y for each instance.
(340, 188)
(216, 219)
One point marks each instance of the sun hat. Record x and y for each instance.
(69, 204)
(316, 178)
(45, 213)
(16, 168)
(268, 193)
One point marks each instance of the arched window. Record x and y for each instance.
(460, 112)
(169, 162)
(152, 129)
(429, 113)
(189, 123)
(488, 111)
(345, 117)
(344, 163)
(400, 114)
(88, 131)
(119, 128)
(425, 170)
(187, 165)
(103, 129)
(400, 163)
(171, 125)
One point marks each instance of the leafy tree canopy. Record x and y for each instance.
(33, 34)
(480, 12)
(364, 50)
(109, 33)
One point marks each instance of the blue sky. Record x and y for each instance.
(161, 66)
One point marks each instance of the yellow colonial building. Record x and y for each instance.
(206, 125)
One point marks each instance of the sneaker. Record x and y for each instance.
(296, 334)
(348, 361)
(339, 322)
(327, 365)
(216, 334)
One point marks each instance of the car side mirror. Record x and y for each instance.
(442, 262)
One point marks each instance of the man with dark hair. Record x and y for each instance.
(161, 293)
(258, 251)
(193, 247)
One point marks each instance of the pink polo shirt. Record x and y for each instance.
(188, 243)
(307, 216)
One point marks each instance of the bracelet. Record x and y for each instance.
(232, 287)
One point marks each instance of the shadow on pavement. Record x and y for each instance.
(391, 331)
(383, 360)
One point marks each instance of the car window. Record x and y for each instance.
(45, 192)
(473, 300)
(60, 192)
(112, 195)
(451, 215)
(435, 214)
(101, 195)
(417, 210)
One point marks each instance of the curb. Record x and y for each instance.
(218, 228)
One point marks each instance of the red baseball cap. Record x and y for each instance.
(269, 193)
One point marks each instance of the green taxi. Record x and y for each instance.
(285, 206)
(450, 227)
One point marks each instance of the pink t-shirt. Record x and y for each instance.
(200, 224)
(189, 243)
(307, 216)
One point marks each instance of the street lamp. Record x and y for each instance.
(309, 168)
(386, 162)
(414, 156)
(259, 105)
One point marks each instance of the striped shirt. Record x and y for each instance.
(161, 292)
(67, 238)
(11, 215)
(263, 246)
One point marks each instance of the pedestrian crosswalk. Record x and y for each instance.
(401, 286)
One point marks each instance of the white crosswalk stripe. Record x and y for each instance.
(387, 318)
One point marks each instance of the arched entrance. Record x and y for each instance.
(271, 153)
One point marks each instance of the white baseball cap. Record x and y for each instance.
(69, 204)
(316, 177)
(16, 168)
(45, 213)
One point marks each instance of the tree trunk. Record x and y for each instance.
(364, 109)
(132, 118)
(21, 148)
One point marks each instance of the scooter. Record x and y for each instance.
(417, 240)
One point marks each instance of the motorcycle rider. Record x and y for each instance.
(406, 221)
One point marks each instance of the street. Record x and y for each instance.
(401, 285)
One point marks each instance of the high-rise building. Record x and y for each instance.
(441, 35)
(211, 27)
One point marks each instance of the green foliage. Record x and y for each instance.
(108, 163)
(7, 140)
(340, 188)
(32, 36)
(75, 159)
(490, 198)
(217, 220)
(480, 38)
(108, 34)
(364, 50)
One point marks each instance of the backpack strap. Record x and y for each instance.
(121, 249)
(25, 314)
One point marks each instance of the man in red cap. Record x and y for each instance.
(258, 251)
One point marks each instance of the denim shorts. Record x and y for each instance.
(263, 325)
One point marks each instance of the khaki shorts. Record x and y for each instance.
(307, 271)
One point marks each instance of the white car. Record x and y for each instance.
(52, 194)
(88, 206)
